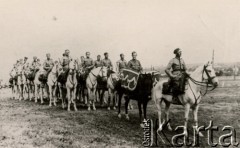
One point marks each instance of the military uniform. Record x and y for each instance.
(35, 65)
(177, 75)
(98, 63)
(107, 63)
(177, 65)
(121, 64)
(65, 62)
(47, 66)
(135, 65)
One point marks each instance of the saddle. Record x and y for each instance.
(101, 83)
(31, 76)
(62, 78)
(175, 87)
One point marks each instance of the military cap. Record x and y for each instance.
(25, 57)
(105, 53)
(34, 57)
(176, 50)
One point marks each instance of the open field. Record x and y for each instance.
(27, 124)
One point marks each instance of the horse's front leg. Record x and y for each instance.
(140, 110)
(110, 97)
(69, 98)
(195, 118)
(167, 115)
(74, 98)
(127, 99)
(54, 96)
(50, 95)
(119, 104)
(41, 94)
(89, 98)
(94, 98)
(186, 116)
(36, 93)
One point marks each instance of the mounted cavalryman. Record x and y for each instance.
(176, 71)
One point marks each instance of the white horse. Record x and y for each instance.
(52, 84)
(37, 86)
(21, 82)
(71, 85)
(91, 83)
(112, 81)
(202, 76)
(13, 75)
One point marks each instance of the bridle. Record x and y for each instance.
(101, 70)
(205, 82)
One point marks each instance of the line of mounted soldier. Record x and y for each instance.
(128, 80)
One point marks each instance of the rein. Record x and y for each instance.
(202, 83)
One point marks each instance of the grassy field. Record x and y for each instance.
(27, 124)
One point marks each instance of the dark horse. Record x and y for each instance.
(142, 94)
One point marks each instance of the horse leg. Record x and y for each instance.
(61, 96)
(127, 99)
(195, 118)
(119, 104)
(114, 99)
(69, 98)
(140, 110)
(158, 104)
(36, 93)
(41, 94)
(187, 108)
(110, 96)
(54, 95)
(89, 99)
(94, 99)
(74, 99)
(50, 96)
(167, 115)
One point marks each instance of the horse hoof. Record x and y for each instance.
(94, 108)
(55, 104)
(119, 116)
(200, 134)
(89, 108)
(108, 108)
(114, 108)
(169, 128)
(68, 110)
(127, 117)
(50, 105)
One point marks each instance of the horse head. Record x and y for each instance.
(103, 71)
(209, 75)
(72, 67)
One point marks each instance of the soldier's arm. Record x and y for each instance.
(117, 66)
(140, 66)
(168, 69)
(92, 64)
(129, 65)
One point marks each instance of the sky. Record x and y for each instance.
(152, 28)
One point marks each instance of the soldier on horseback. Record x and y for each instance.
(98, 62)
(176, 70)
(47, 65)
(107, 62)
(88, 63)
(121, 64)
(64, 62)
(135, 64)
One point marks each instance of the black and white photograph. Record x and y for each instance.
(119, 73)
